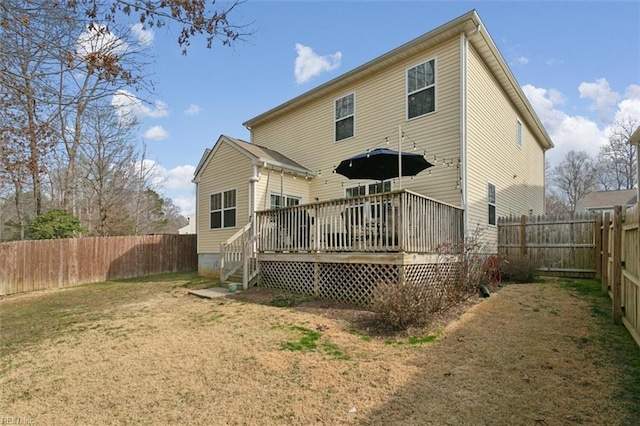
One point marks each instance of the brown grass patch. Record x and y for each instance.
(527, 355)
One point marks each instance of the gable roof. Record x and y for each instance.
(474, 29)
(257, 154)
(599, 200)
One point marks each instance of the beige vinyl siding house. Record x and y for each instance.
(306, 133)
(501, 150)
(448, 95)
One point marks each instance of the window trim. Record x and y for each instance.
(493, 204)
(434, 85)
(518, 133)
(223, 209)
(335, 118)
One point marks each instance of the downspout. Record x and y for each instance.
(464, 197)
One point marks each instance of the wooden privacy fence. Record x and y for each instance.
(47, 264)
(620, 259)
(561, 246)
(600, 247)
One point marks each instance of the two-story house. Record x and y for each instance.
(448, 95)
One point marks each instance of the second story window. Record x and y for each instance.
(421, 89)
(344, 117)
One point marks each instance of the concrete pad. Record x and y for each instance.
(211, 293)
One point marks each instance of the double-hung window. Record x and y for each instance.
(491, 204)
(223, 209)
(421, 89)
(344, 117)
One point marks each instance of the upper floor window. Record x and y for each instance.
(223, 209)
(519, 133)
(491, 203)
(345, 111)
(421, 89)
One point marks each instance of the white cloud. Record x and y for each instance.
(144, 36)
(98, 38)
(180, 177)
(553, 61)
(192, 110)
(577, 132)
(523, 60)
(186, 205)
(603, 99)
(567, 132)
(130, 108)
(156, 132)
(309, 64)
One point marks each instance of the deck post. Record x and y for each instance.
(316, 279)
(616, 278)
(245, 264)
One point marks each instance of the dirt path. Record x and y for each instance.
(528, 355)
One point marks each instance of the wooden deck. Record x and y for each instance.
(342, 249)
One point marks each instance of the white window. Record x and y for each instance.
(370, 189)
(491, 203)
(223, 209)
(421, 89)
(519, 133)
(275, 201)
(344, 117)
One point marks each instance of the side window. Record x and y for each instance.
(344, 117)
(222, 206)
(491, 204)
(519, 133)
(421, 89)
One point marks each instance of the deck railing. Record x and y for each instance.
(399, 221)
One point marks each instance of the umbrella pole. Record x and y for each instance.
(399, 156)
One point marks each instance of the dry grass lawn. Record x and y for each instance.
(148, 353)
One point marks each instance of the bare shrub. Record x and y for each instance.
(458, 273)
(400, 305)
(519, 270)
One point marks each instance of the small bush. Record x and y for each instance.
(403, 305)
(519, 270)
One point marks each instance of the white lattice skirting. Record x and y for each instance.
(354, 282)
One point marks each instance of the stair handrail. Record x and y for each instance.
(232, 251)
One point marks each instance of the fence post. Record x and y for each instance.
(245, 264)
(598, 252)
(616, 275)
(605, 253)
(523, 236)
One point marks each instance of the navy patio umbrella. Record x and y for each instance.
(382, 164)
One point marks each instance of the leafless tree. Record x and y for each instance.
(572, 179)
(618, 160)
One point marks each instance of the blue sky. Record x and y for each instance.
(577, 62)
